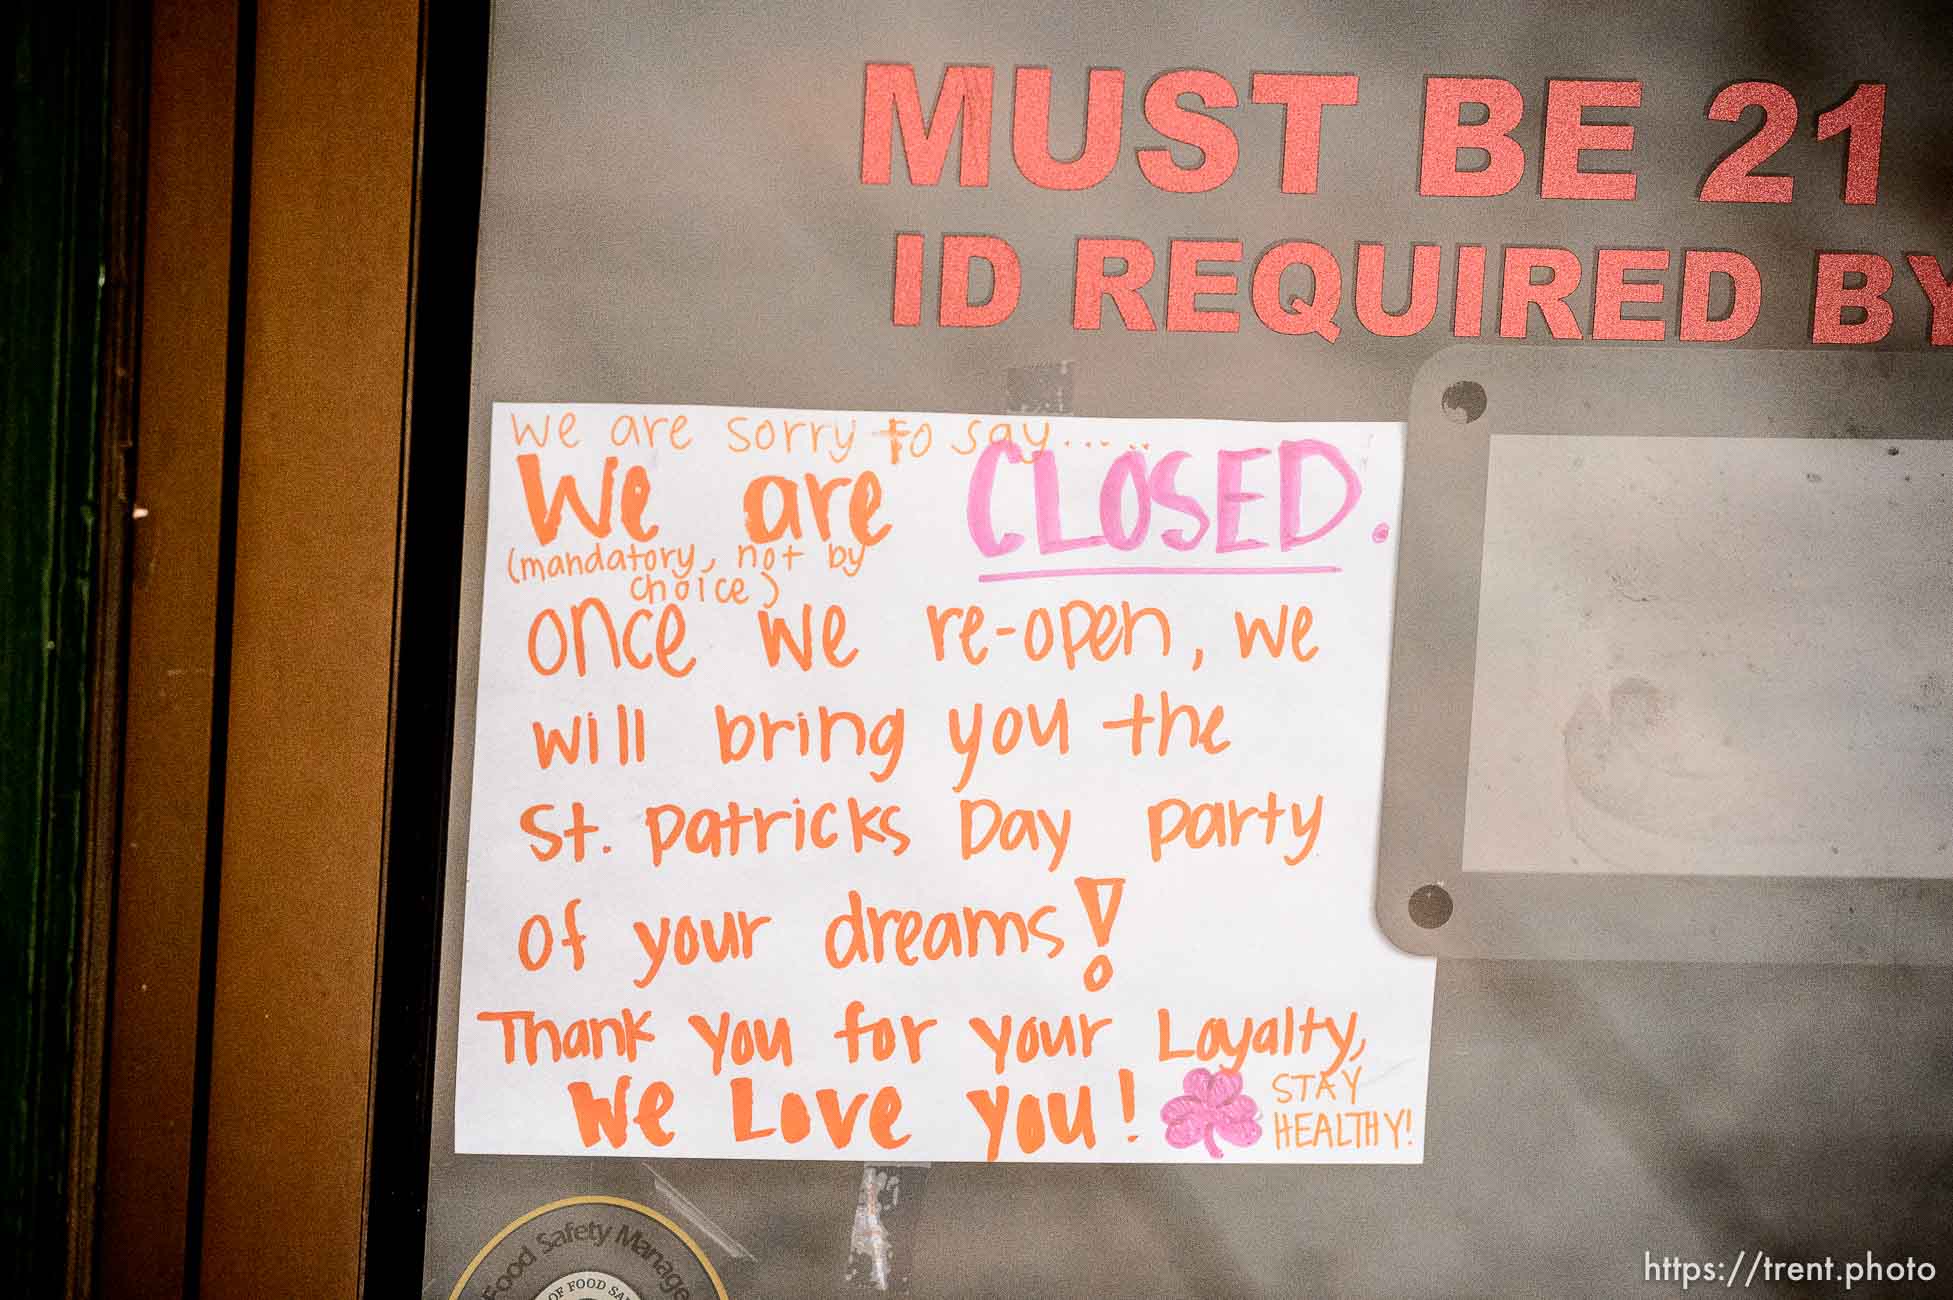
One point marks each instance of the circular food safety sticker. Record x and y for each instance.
(590, 1248)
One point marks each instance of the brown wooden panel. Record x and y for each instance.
(151, 1072)
(325, 341)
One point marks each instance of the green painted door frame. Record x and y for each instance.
(68, 186)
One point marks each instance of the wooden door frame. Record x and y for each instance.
(309, 261)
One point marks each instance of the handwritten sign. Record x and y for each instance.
(934, 787)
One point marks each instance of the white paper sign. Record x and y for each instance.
(913, 786)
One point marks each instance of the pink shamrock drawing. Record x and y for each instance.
(1212, 1103)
